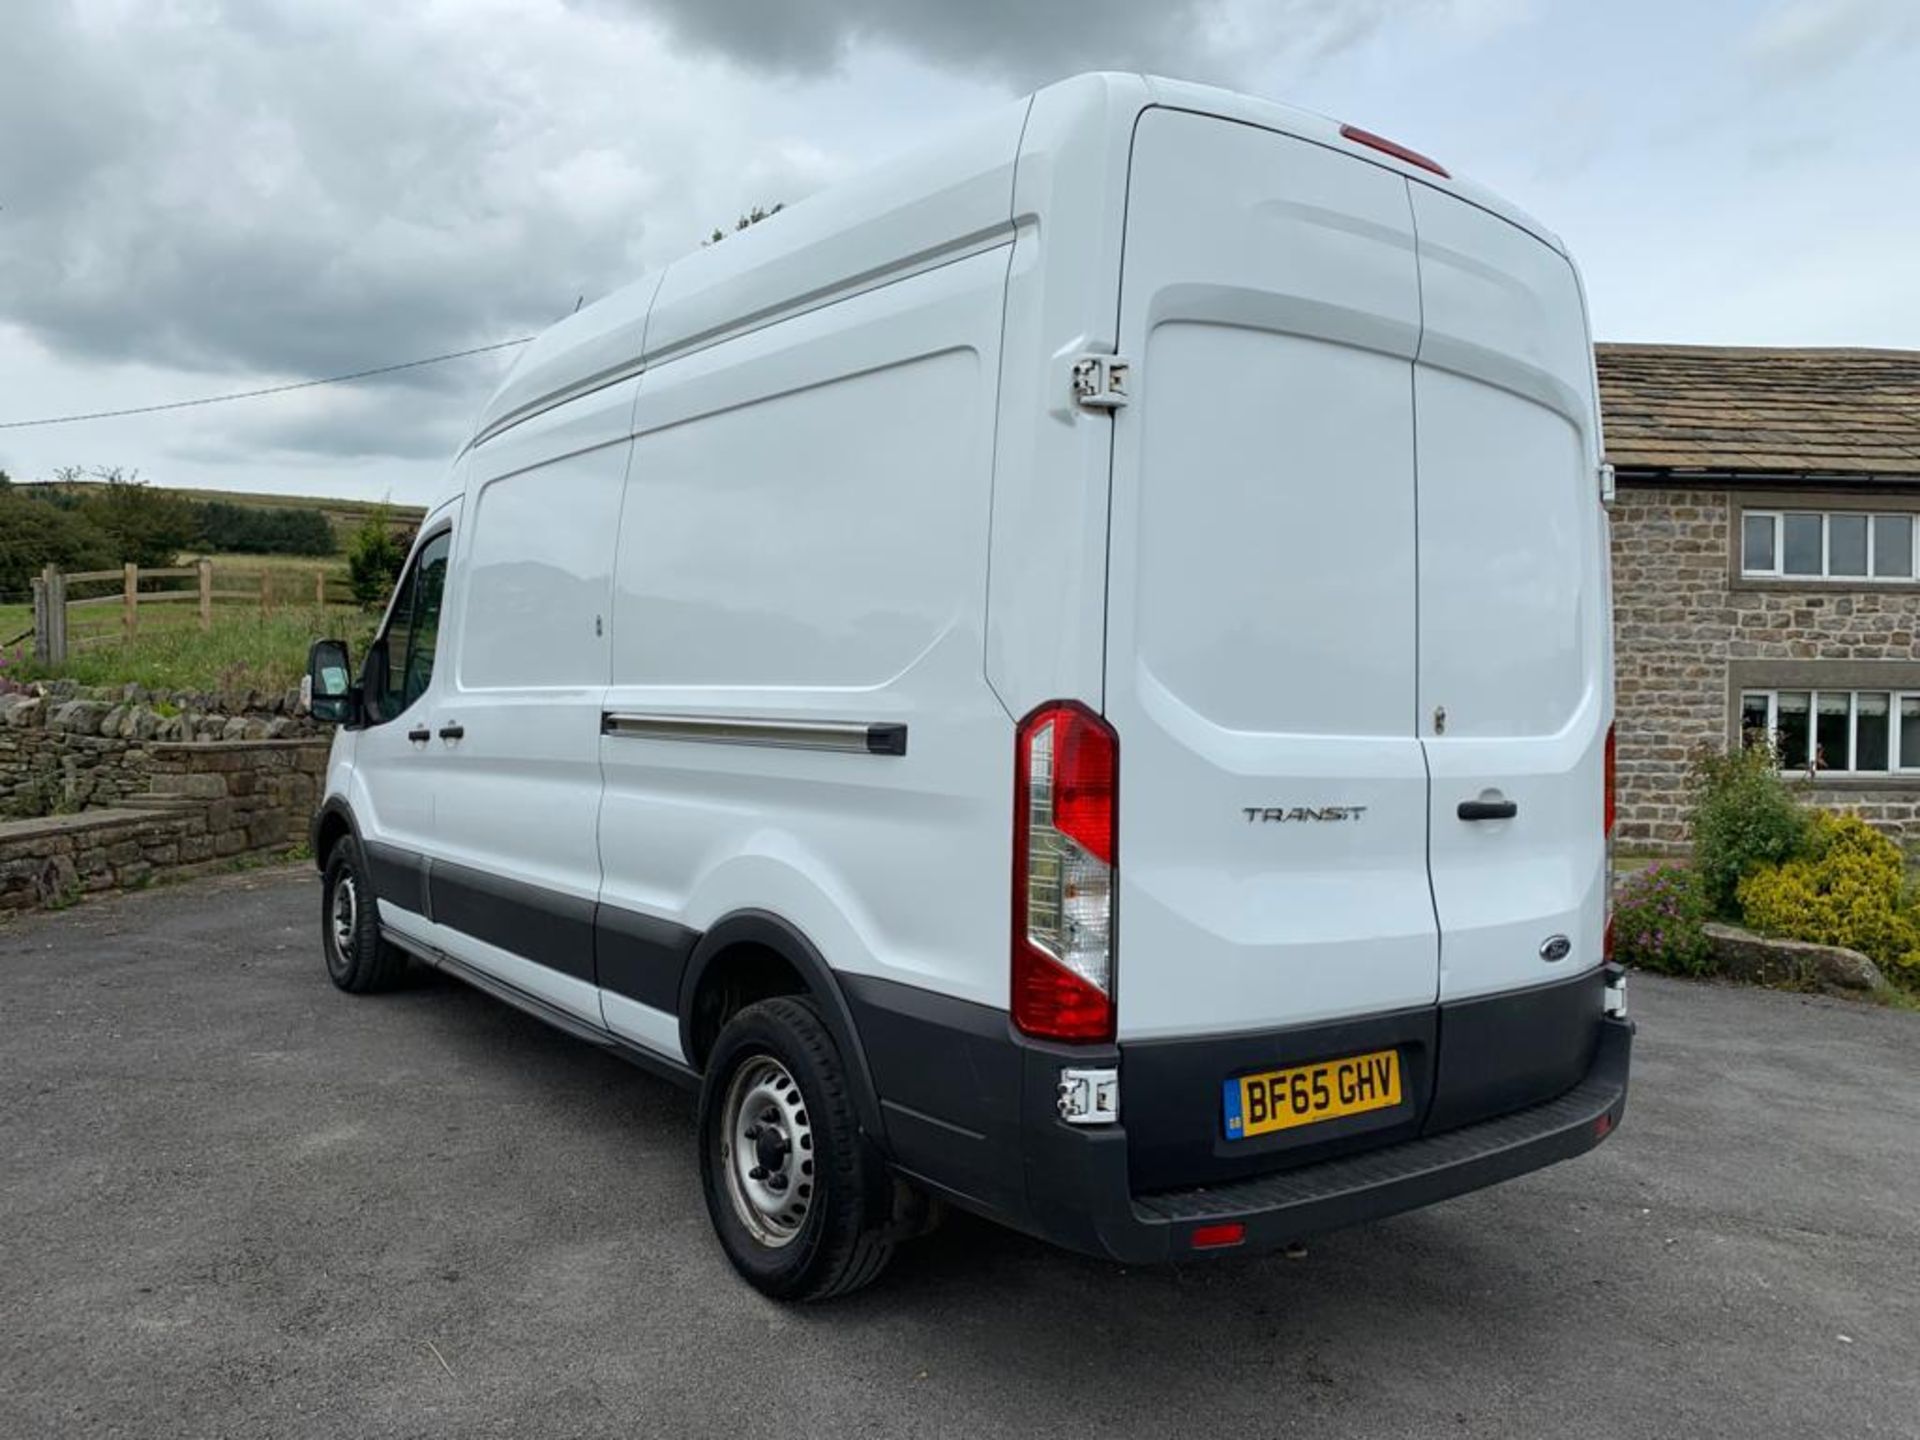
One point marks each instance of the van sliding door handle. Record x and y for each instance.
(1487, 810)
(419, 734)
(452, 732)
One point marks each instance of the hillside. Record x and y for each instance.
(344, 514)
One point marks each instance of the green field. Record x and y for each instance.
(244, 650)
(245, 647)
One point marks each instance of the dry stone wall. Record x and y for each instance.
(65, 750)
(210, 803)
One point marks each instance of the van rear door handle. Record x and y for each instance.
(1487, 810)
(420, 734)
(452, 732)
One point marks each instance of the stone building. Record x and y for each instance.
(1766, 570)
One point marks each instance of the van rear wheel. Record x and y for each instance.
(801, 1203)
(358, 960)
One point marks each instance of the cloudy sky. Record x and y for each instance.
(202, 196)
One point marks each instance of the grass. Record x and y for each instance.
(244, 650)
(290, 583)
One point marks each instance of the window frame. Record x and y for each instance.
(1777, 513)
(1899, 766)
(407, 589)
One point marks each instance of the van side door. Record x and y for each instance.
(517, 732)
(393, 769)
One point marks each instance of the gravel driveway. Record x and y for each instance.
(234, 1202)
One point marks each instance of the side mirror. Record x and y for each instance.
(329, 684)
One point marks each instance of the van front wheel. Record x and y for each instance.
(358, 960)
(796, 1194)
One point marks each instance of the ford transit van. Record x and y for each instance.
(1068, 677)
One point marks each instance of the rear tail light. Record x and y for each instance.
(1393, 148)
(1610, 810)
(1065, 786)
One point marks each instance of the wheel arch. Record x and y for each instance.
(745, 933)
(332, 822)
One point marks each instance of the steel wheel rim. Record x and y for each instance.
(344, 917)
(766, 1151)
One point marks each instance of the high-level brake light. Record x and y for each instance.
(1393, 148)
(1064, 845)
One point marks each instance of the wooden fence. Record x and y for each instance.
(276, 587)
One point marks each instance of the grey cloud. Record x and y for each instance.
(1024, 42)
(263, 190)
(349, 423)
(252, 189)
(1020, 40)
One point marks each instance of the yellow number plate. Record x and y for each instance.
(1307, 1094)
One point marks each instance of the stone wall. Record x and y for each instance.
(211, 803)
(1680, 626)
(68, 749)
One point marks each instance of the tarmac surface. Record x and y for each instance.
(235, 1202)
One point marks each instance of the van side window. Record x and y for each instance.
(413, 629)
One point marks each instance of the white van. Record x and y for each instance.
(1068, 677)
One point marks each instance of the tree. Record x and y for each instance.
(262, 530)
(374, 558)
(34, 535)
(752, 217)
(143, 524)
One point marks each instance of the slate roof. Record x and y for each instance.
(1843, 414)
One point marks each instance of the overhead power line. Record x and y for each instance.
(265, 390)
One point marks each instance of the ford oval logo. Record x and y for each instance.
(1555, 947)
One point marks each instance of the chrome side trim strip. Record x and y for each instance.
(848, 737)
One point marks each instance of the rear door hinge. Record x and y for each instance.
(1102, 382)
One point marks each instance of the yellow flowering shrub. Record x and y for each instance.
(1845, 888)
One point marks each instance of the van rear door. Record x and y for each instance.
(1261, 666)
(1515, 674)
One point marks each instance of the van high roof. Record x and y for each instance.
(933, 205)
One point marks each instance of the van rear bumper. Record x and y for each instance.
(969, 1112)
(1077, 1182)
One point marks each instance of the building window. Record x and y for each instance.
(1860, 732)
(1826, 545)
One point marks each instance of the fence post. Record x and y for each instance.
(266, 592)
(57, 614)
(130, 589)
(320, 588)
(40, 639)
(206, 594)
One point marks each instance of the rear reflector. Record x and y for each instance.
(1393, 148)
(1218, 1237)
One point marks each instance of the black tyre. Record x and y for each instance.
(358, 960)
(801, 1202)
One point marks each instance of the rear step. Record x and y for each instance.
(1296, 1203)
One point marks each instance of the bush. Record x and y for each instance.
(1846, 889)
(34, 534)
(1659, 920)
(374, 558)
(143, 524)
(1743, 817)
